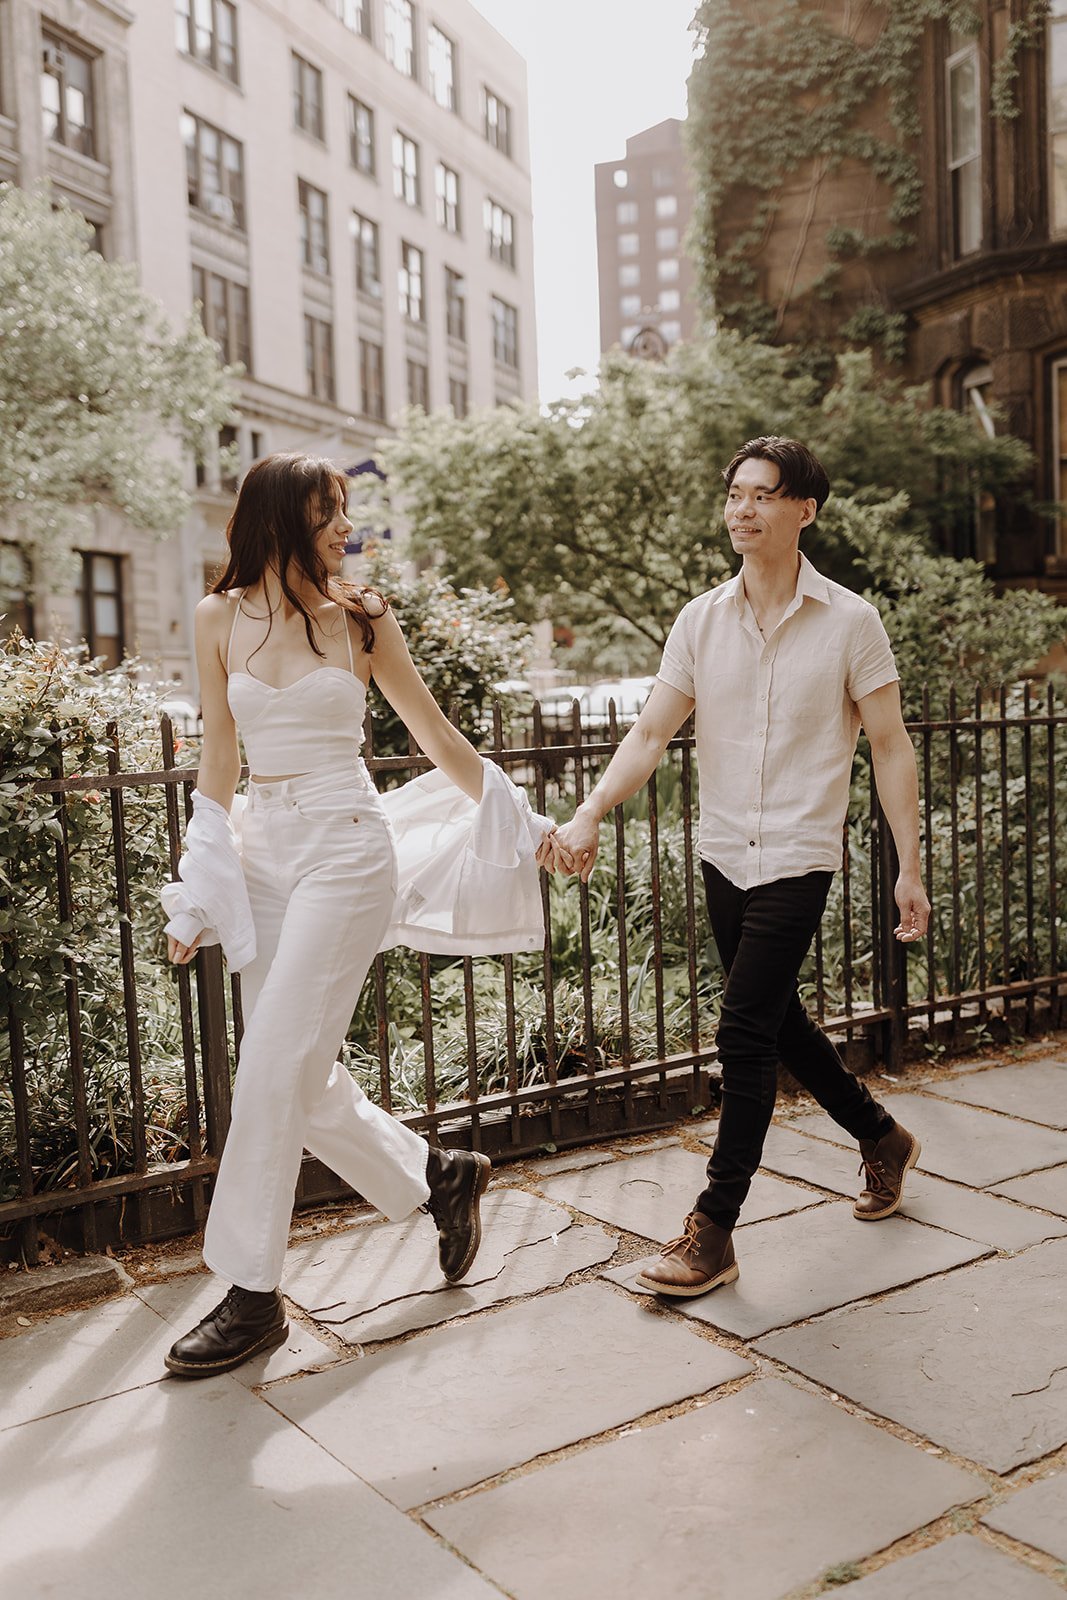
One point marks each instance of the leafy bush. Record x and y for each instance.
(55, 706)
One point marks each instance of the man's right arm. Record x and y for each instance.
(630, 767)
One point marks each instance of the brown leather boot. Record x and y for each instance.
(700, 1259)
(457, 1180)
(886, 1163)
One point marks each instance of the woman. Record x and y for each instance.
(285, 652)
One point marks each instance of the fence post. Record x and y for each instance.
(893, 955)
(214, 1046)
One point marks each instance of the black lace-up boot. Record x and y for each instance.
(244, 1324)
(457, 1180)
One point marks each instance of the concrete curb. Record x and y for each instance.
(72, 1283)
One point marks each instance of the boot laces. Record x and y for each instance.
(687, 1243)
(874, 1176)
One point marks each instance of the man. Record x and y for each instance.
(782, 666)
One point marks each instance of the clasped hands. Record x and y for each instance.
(572, 848)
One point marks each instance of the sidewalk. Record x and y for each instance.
(878, 1410)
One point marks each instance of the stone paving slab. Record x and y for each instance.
(74, 1282)
(974, 1361)
(186, 1489)
(1037, 1091)
(971, 1214)
(717, 1504)
(425, 1418)
(384, 1280)
(81, 1356)
(1036, 1515)
(963, 1568)
(651, 1193)
(1047, 1189)
(965, 1143)
(798, 1266)
(572, 1161)
(183, 1301)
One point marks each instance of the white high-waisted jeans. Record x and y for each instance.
(320, 865)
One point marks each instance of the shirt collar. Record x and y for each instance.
(810, 585)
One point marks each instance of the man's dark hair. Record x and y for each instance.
(801, 475)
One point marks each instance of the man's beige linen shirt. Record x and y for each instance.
(776, 721)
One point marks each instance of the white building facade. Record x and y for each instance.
(342, 184)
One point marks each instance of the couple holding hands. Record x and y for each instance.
(782, 667)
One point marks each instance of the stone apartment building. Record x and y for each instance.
(643, 205)
(983, 287)
(342, 184)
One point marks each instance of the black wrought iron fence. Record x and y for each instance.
(116, 1074)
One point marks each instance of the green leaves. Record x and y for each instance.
(92, 381)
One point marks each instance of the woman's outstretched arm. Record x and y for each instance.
(397, 677)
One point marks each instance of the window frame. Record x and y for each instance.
(401, 11)
(233, 193)
(82, 138)
(455, 305)
(502, 243)
(496, 129)
(312, 224)
(185, 12)
(505, 333)
(407, 179)
(966, 54)
(89, 592)
(366, 238)
(355, 144)
(447, 208)
(372, 369)
(418, 378)
(450, 102)
(319, 358)
(309, 97)
(406, 278)
(232, 347)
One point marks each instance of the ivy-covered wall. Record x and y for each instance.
(815, 135)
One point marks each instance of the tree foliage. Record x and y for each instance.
(92, 380)
(608, 510)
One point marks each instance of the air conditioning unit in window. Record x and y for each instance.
(53, 58)
(220, 206)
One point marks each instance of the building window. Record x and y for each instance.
(666, 205)
(318, 357)
(314, 227)
(446, 184)
(671, 331)
(496, 121)
(67, 95)
(629, 276)
(412, 303)
(669, 300)
(662, 177)
(458, 397)
(16, 590)
(406, 184)
(355, 14)
(368, 255)
(100, 593)
(442, 62)
(500, 226)
(207, 31)
(630, 305)
(964, 144)
(307, 97)
(1057, 114)
(629, 244)
(455, 305)
(505, 333)
(400, 35)
(626, 213)
(628, 334)
(224, 313)
(666, 238)
(620, 177)
(372, 379)
(667, 269)
(418, 384)
(1059, 447)
(214, 170)
(361, 136)
(975, 398)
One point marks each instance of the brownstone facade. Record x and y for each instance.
(983, 287)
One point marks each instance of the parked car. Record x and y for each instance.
(594, 705)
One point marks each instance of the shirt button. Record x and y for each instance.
(752, 844)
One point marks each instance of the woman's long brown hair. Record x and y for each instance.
(285, 502)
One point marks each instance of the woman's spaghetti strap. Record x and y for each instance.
(233, 625)
(348, 636)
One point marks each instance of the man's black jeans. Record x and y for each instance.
(763, 935)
